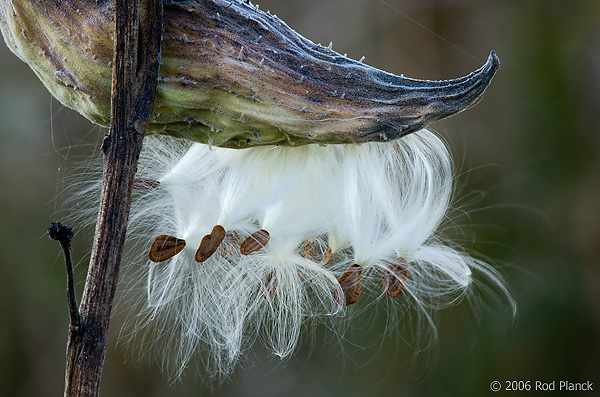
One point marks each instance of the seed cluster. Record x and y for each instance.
(336, 179)
(394, 276)
(254, 243)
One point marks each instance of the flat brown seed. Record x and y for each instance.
(254, 242)
(210, 243)
(165, 247)
(350, 285)
(326, 257)
(394, 278)
(308, 249)
(141, 183)
(269, 286)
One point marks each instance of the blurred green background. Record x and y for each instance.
(528, 157)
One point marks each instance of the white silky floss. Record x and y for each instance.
(330, 213)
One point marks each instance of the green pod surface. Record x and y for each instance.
(231, 76)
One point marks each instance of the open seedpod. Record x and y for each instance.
(251, 243)
(232, 76)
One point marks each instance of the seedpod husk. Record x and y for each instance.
(231, 75)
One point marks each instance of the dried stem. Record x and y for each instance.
(135, 71)
(63, 234)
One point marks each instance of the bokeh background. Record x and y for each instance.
(528, 158)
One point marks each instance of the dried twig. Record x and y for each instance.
(63, 234)
(135, 71)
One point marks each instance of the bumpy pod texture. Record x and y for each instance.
(256, 243)
(231, 75)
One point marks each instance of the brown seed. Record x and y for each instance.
(350, 285)
(210, 243)
(394, 278)
(165, 247)
(308, 249)
(254, 242)
(326, 257)
(141, 183)
(269, 286)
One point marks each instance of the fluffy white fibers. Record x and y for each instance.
(256, 243)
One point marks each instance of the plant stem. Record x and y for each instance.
(63, 234)
(135, 70)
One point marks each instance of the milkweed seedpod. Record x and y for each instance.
(256, 243)
(231, 75)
